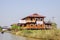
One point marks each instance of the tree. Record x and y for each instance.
(15, 27)
(0, 28)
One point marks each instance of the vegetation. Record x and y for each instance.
(40, 34)
(54, 26)
(15, 27)
(53, 34)
(0, 28)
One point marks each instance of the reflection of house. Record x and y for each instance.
(34, 21)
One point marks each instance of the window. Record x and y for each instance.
(41, 25)
(36, 19)
(24, 25)
(35, 24)
(41, 19)
(31, 19)
(31, 24)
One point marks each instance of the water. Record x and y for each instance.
(8, 36)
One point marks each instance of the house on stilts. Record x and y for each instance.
(34, 21)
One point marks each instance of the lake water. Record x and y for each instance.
(8, 36)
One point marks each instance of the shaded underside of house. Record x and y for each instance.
(34, 26)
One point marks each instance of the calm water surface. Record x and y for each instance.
(8, 36)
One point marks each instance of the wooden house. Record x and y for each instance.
(34, 21)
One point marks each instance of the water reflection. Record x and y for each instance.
(8, 36)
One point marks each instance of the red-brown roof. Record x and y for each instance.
(35, 15)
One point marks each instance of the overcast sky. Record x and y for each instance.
(13, 10)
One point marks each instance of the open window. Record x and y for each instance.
(41, 19)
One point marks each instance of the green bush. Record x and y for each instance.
(15, 27)
(0, 28)
(54, 26)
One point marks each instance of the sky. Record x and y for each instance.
(11, 11)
